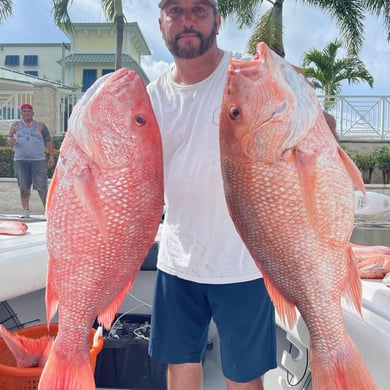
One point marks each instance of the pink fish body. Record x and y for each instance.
(13, 228)
(373, 261)
(28, 352)
(289, 189)
(103, 211)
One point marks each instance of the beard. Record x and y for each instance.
(191, 51)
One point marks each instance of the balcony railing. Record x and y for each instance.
(358, 117)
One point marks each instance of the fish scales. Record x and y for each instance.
(289, 190)
(104, 206)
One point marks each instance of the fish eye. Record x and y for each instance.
(140, 120)
(234, 113)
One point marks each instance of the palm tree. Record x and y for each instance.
(349, 16)
(327, 71)
(114, 13)
(5, 9)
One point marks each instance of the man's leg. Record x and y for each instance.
(179, 329)
(256, 384)
(186, 376)
(25, 199)
(39, 179)
(23, 176)
(245, 320)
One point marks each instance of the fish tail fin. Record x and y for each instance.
(353, 287)
(341, 369)
(284, 308)
(51, 297)
(61, 372)
(28, 352)
(352, 170)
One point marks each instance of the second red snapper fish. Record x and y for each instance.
(28, 352)
(289, 188)
(104, 207)
(13, 228)
(373, 261)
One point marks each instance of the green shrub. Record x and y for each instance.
(6, 161)
(382, 156)
(365, 161)
(7, 156)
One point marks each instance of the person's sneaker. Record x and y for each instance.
(26, 214)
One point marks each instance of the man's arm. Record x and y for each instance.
(48, 143)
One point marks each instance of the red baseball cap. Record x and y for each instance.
(26, 106)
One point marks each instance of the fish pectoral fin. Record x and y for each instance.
(285, 309)
(306, 169)
(88, 194)
(352, 170)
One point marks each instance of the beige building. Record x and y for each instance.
(92, 53)
(51, 76)
(35, 59)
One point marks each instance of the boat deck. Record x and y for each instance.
(23, 263)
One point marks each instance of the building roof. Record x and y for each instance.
(104, 59)
(13, 76)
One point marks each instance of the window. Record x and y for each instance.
(11, 60)
(30, 60)
(31, 72)
(89, 77)
(106, 71)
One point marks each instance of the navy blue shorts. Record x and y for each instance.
(244, 316)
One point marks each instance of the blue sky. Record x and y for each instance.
(304, 28)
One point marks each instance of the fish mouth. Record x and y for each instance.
(248, 69)
(126, 73)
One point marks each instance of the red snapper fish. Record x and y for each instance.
(103, 211)
(28, 352)
(289, 189)
(13, 228)
(373, 261)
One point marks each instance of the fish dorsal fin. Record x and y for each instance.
(87, 193)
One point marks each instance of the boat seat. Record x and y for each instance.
(150, 262)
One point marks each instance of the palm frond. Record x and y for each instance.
(61, 15)
(5, 10)
(349, 16)
(245, 11)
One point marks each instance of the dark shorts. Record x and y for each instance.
(243, 314)
(31, 173)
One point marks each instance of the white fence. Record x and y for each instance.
(360, 117)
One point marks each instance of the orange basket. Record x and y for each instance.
(17, 378)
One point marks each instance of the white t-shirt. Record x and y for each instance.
(198, 239)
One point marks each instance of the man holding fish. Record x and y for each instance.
(204, 269)
(245, 146)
